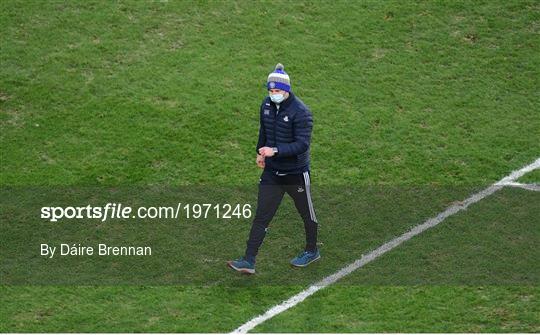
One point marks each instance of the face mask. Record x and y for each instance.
(277, 98)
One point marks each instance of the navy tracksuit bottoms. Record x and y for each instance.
(272, 187)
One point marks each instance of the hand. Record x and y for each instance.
(266, 152)
(260, 161)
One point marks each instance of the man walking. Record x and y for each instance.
(283, 152)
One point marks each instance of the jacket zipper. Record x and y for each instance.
(275, 122)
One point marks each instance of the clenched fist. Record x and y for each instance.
(260, 161)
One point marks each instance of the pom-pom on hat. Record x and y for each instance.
(279, 79)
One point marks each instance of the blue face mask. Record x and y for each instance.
(277, 98)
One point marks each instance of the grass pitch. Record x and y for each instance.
(404, 95)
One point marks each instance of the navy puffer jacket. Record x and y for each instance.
(288, 129)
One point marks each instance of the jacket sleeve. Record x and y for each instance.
(303, 125)
(262, 135)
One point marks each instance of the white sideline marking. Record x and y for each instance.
(365, 259)
(530, 187)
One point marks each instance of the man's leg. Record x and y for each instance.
(301, 194)
(269, 198)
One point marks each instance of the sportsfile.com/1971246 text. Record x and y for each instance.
(120, 211)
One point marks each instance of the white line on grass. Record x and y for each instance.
(365, 259)
(530, 187)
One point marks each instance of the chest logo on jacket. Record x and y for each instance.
(286, 118)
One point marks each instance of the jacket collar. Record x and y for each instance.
(285, 103)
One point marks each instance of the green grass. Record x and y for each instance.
(415, 106)
(123, 93)
(473, 273)
(133, 309)
(436, 309)
(185, 309)
(491, 243)
(531, 177)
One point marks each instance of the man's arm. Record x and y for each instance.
(262, 135)
(303, 125)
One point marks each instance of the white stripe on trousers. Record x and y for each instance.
(308, 195)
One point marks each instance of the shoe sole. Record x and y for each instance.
(242, 270)
(303, 266)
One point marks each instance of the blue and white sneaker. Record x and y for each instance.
(305, 258)
(242, 265)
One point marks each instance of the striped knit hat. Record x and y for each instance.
(279, 79)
